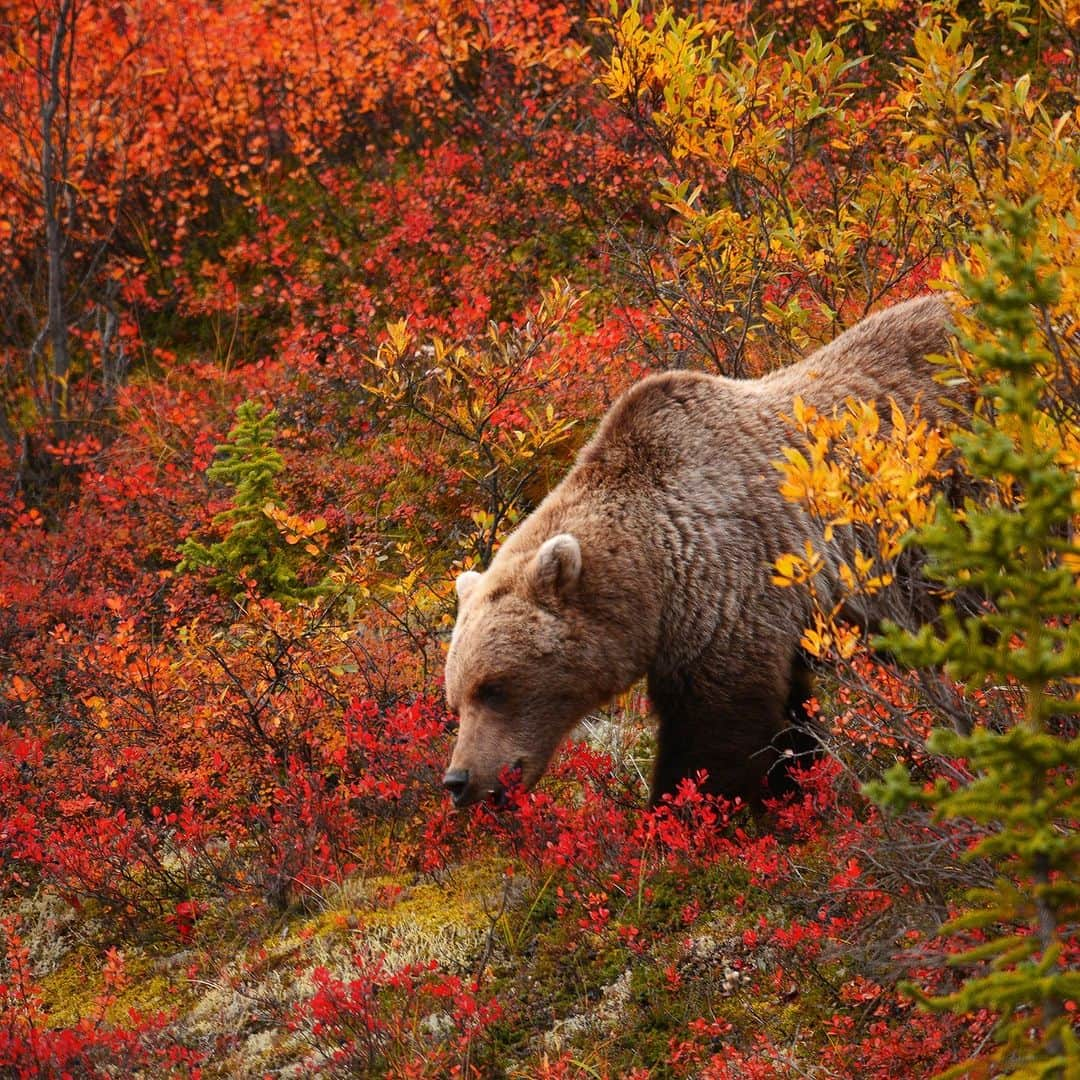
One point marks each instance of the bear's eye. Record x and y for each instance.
(490, 693)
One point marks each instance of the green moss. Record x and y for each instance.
(150, 991)
(73, 992)
(467, 899)
(69, 993)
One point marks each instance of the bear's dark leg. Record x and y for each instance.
(725, 726)
(797, 743)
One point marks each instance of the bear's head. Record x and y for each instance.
(528, 658)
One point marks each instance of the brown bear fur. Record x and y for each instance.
(653, 557)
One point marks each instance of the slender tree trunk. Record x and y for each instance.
(53, 151)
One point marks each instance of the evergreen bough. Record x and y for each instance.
(1022, 793)
(253, 549)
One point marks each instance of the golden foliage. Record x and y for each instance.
(854, 472)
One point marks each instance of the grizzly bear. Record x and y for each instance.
(653, 557)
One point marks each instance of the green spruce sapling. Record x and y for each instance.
(1017, 550)
(254, 548)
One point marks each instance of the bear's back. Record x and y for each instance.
(678, 419)
(881, 357)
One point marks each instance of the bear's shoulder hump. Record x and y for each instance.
(663, 393)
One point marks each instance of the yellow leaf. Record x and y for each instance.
(398, 334)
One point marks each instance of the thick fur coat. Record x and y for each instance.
(653, 557)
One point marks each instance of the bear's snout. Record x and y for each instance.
(456, 781)
(466, 788)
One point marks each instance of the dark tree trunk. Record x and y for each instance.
(54, 138)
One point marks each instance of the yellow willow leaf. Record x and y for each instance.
(847, 578)
(813, 560)
(795, 458)
(795, 491)
(899, 422)
(867, 417)
(398, 335)
(790, 569)
(815, 643)
(863, 564)
(846, 641)
(824, 443)
(876, 584)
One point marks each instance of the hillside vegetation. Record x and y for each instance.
(302, 307)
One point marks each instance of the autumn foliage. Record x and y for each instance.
(302, 308)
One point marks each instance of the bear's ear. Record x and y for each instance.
(557, 567)
(467, 580)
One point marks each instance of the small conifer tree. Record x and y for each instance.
(1018, 551)
(254, 548)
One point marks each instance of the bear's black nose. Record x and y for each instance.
(456, 781)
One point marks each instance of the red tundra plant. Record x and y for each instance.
(32, 1045)
(413, 1022)
(845, 908)
(234, 765)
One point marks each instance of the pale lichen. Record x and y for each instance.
(596, 1021)
(391, 920)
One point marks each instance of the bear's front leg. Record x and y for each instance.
(724, 722)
